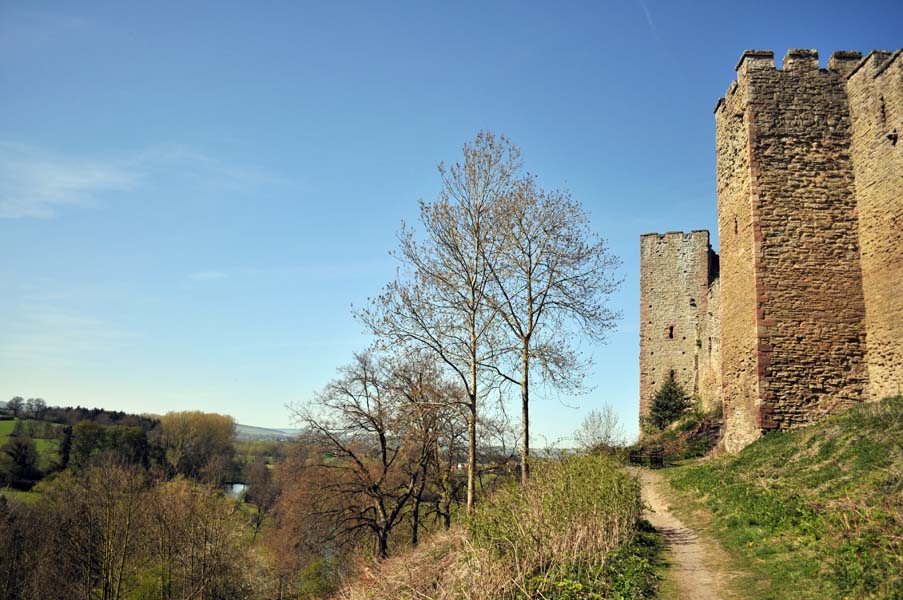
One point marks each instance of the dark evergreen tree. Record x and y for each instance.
(668, 404)
(22, 458)
(65, 446)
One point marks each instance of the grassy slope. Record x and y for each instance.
(814, 513)
(573, 534)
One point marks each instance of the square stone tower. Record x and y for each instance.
(677, 307)
(793, 309)
(802, 314)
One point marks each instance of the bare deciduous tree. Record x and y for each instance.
(376, 464)
(600, 429)
(16, 405)
(550, 277)
(438, 301)
(262, 492)
(428, 409)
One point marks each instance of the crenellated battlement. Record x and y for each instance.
(844, 62)
(680, 236)
(756, 59)
(801, 316)
(801, 59)
(874, 64)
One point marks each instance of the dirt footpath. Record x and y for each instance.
(697, 564)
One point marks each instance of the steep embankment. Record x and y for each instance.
(814, 513)
(573, 533)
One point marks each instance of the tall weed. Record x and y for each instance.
(571, 534)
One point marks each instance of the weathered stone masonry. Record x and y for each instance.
(875, 91)
(808, 308)
(675, 336)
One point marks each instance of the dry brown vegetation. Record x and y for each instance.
(561, 533)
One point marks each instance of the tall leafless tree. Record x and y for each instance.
(550, 277)
(437, 303)
(599, 430)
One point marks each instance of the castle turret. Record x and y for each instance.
(676, 271)
(809, 287)
(793, 335)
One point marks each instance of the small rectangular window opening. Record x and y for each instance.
(671, 332)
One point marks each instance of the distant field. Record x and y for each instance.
(16, 495)
(6, 427)
(48, 450)
(249, 432)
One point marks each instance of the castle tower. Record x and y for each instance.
(676, 270)
(792, 304)
(875, 92)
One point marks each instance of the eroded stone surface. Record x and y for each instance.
(806, 318)
(675, 334)
(875, 92)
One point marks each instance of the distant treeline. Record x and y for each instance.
(45, 440)
(36, 408)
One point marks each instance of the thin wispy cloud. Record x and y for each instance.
(38, 184)
(35, 184)
(648, 16)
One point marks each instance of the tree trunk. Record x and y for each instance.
(415, 512)
(444, 496)
(471, 456)
(382, 549)
(525, 415)
(472, 424)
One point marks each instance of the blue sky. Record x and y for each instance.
(193, 195)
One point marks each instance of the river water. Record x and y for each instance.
(235, 490)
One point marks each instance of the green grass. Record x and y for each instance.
(813, 513)
(7, 426)
(557, 511)
(48, 450)
(19, 496)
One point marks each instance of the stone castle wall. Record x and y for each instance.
(674, 294)
(709, 364)
(875, 91)
(809, 306)
(738, 283)
(810, 212)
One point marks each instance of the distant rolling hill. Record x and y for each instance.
(249, 432)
